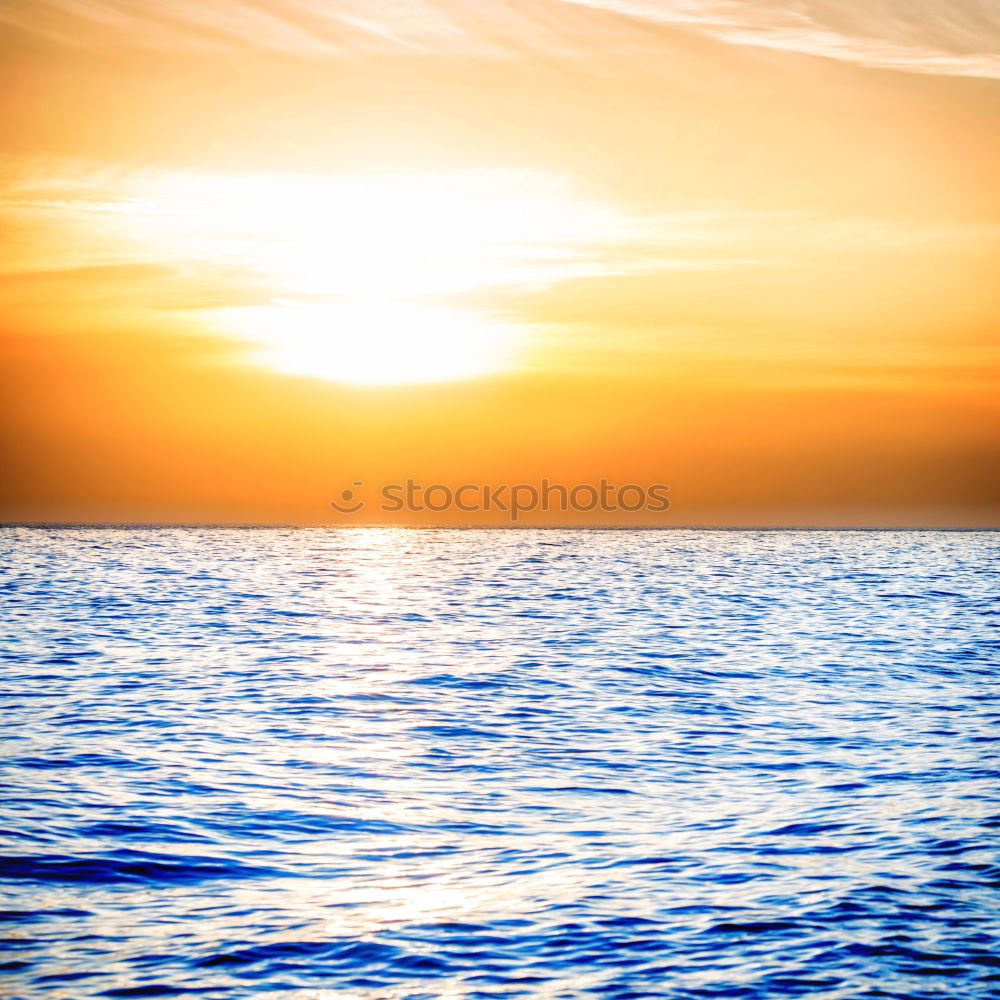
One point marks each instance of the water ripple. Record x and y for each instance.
(394, 765)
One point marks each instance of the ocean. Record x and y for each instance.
(309, 764)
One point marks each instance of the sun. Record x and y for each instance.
(374, 342)
(365, 279)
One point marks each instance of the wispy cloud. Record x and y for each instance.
(318, 27)
(314, 234)
(317, 235)
(949, 37)
(953, 37)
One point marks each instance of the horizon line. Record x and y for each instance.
(251, 525)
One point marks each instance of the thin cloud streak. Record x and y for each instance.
(487, 28)
(168, 242)
(511, 228)
(958, 38)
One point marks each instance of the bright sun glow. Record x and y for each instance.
(372, 342)
(348, 263)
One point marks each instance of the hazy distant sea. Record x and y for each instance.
(318, 764)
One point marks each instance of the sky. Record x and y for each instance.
(258, 252)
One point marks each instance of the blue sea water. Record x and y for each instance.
(309, 764)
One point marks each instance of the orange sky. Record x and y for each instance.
(256, 252)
